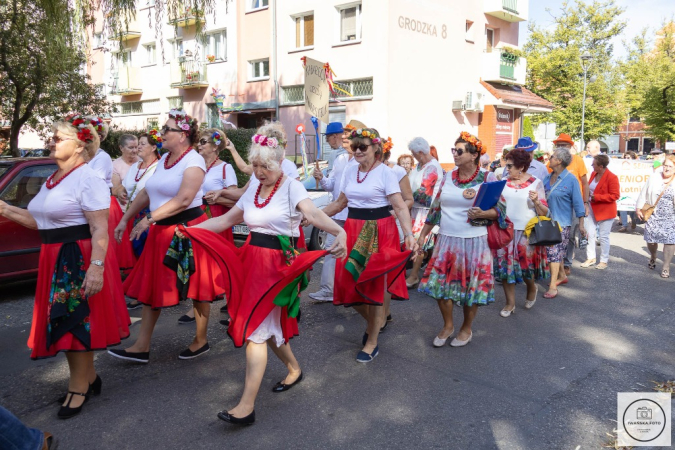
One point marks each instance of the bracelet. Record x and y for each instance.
(407, 234)
(150, 219)
(97, 262)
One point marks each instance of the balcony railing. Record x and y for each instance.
(127, 32)
(188, 74)
(504, 67)
(126, 81)
(509, 10)
(189, 18)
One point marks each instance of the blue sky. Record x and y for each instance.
(638, 14)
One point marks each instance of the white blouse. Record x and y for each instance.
(102, 164)
(371, 192)
(219, 177)
(164, 184)
(417, 177)
(280, 216)
(455, 209)
(129, 182)
(519, 208)
(64, 205)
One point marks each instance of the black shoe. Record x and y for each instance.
(281, 387)
(225, 322)
(389, 319)
(384, 326)
(189, 354)
(134, 305)
(94, 389)
(223, 309)
(227, 417)
(66, 412)
(141, 357)
(186, 319)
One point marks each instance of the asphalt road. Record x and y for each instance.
(546, 378)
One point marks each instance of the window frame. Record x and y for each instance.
(294, 31)
(359, 23)
(492, 41)
(206, 44)
(174, 43)
(251, 70)
(251, 8)
(146, 48)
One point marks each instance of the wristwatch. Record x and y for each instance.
(150, 219)
(97, 262)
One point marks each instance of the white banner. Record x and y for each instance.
(316, 90)
(632, 173)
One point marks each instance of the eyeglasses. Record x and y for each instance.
(508, 166)
(457, 151)
(203, 141)
(362, 147)
(166, 128)
(57, 139)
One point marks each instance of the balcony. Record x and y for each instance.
(127, 81)
(187, 73)
(127, 32)
(189, 18)
(503, 67)
(509, 10)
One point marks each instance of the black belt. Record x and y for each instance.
(269, 241)
(369, 213)
(182, 217)
(65, 234)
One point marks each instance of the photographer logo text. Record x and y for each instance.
(643, 419)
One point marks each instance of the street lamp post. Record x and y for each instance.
(586, 60)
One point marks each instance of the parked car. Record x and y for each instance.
(20, 181)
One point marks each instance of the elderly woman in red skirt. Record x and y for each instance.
(270, 271)
(79, 304)
(102, 164)
(375, 269)
(169, 270)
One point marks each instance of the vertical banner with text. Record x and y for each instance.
(633, 174)
(316, 90)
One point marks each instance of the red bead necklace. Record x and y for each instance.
(50, 180)
(212, 164)
(470, 179)
(269, 198)
(367, 173)
(166, 161)
(139, 175)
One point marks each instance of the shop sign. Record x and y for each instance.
(504, 120)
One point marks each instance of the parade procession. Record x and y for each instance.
(483, 191)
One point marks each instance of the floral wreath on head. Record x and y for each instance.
(387, 145)
(182, 119)
(366, 133)
(80, 124)
(155, 137)
(265, 141)
(97, 123)
(216, 138)
(473, 140)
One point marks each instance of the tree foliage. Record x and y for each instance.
(555, 71)
(42, 68)
(650, 78)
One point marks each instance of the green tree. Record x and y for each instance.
(650, 79)
(528, 130)
(555, 72)
(42, 68)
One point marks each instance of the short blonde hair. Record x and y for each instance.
(208, 134)
(269, 156)
(68, 130)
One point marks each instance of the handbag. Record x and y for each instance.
(647, 209)
(499, 237)
(545, 233)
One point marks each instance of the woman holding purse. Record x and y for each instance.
(656, 205)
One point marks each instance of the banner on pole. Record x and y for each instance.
(316, 90)
(632, 174)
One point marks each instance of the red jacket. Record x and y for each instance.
(606, 193)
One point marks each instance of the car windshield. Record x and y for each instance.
(3, 169)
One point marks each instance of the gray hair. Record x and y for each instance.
(126, 138)
(563, 155)
(269, 156)
(419, 144)
(485, 159)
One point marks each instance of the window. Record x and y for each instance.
(304, 30)
(350, 23)
(212, 117)
(215, 46)
(98, 40)
(489, 40)
(360, 89)
(175, 102)
(634, 119)
(23, 187)
(176, 49)
(469, 31)
(142, 107)
(123, 59)
(259, 69)
(258, 4)
(153, 122)
(150, 53)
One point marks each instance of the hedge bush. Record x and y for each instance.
(241, 138)
(111, 145)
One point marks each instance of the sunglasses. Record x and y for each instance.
(458, 151)
(166, 128)
(362, 147)
(203, 141)
(56, 139)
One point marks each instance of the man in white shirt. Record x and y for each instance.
(334, 133)
(536, 169)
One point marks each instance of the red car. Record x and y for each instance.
(20, 181)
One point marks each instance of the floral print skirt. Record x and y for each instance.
(419, 218)
(519, 261)
(460, 270)
(556, 253)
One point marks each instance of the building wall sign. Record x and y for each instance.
(418, 26)
(504, 121)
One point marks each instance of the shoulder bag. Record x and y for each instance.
(546, 232)
(647, 209)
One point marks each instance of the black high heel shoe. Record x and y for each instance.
(66, 412)
(227, 417)
(94, 389)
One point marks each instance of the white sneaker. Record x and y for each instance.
(322, 295)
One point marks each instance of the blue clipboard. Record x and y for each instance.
(489, 194)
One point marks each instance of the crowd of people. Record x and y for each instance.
(156, 225)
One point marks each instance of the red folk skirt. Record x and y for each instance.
(261, 274)
(217, 211)
(389, 261)
(123, 250)
(108, 318)
(154, 284)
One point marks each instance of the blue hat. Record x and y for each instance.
(334, 128)
(525, 143)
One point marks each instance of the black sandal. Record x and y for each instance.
(652, 264)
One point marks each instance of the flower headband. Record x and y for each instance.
(473, 140)
(217, 138)
(267, 141)
(97, 123)
(155, 137)
(387, 145)
(80, 124)
(182, 119)
(366, 133)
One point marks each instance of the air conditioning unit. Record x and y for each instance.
(458, 105)
(474, 101)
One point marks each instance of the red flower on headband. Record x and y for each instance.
(85, 135)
